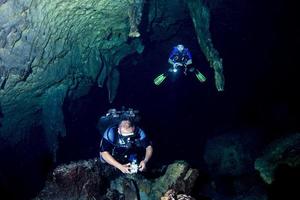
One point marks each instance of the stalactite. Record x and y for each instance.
(200, 14)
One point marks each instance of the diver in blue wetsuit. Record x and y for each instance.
(126, 147)
(180, 59)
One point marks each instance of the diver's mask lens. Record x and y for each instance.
(127, 133)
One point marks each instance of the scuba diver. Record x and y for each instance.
(124, 145)
(180, 59)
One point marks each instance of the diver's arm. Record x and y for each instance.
(148, 155)
(112, 161)
(172, 56)
(149, 152)
(175, 64)
(189, 56)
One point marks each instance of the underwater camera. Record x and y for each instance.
(134, 168)
(133, 165)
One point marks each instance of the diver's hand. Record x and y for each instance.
(142, 166)
(125, 168)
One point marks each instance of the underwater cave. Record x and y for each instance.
(64, 64)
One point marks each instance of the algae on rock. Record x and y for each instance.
(200, 15)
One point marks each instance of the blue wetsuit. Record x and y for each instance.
(181, 57)
(124, 148)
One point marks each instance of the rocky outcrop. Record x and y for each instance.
(93, 180)
(178, 176)
(171, 195)
(230, 161)
(231, 154)
(284, 151)
(80, 180)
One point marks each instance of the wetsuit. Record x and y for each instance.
(124, 148)
(180, 56)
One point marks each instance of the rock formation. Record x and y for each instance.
(55, 50)
(93, 180)
(284, 151)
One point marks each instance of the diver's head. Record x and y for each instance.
(180, 47)
(126, 127)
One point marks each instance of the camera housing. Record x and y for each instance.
(134, 168)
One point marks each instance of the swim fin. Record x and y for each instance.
(200, 76)
(159, 79)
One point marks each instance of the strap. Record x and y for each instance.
(111, 140)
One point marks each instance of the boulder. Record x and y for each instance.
(94, 180)
(283, 151)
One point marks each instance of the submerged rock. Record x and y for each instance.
(231, 154)
(230, 160)
(94, 180)
(80, 180)
(171, 195)
(178, 176)
(284, 151)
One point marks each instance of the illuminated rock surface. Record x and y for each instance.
(91, 179)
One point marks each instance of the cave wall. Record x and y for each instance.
(50, 51)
